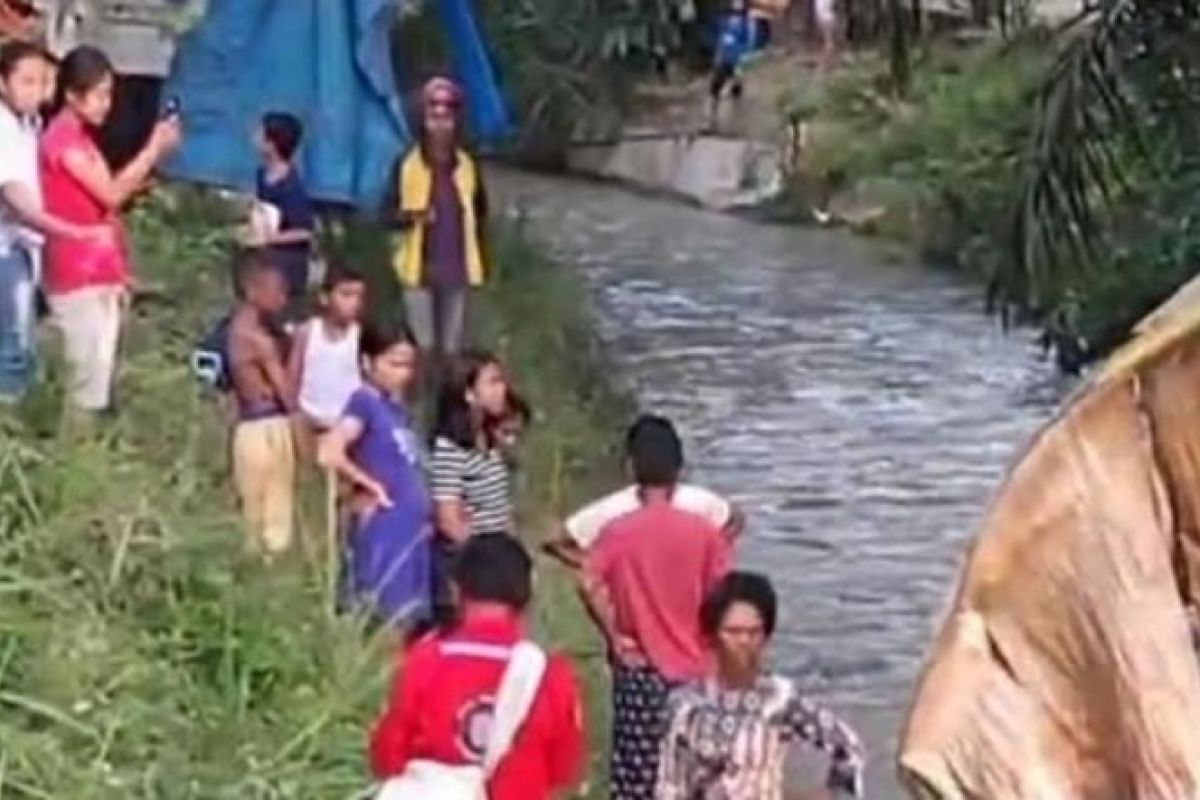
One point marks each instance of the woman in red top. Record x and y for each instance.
(87, 281)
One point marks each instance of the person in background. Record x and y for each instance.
(87, 279)
(762, 21)
(374, 447)
(643, 582)
(279, 184)
(439, 206)
(580, 531)
(734, 38)
(23, 221)
(264, 461)
(826, 17)
(469, 471)
(728, 734)
(324, 366)
(442, 705)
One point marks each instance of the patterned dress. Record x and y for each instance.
(732, 744)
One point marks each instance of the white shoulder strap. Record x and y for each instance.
(515, 697)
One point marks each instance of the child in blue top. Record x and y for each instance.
(279, 183)
(734, 39)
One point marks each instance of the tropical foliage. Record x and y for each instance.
(1105, 224)
(1060, 167)
(564, 64)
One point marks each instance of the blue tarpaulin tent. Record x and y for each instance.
(329, 63)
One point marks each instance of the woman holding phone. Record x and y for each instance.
(87, 281)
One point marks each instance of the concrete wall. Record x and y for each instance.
(712, 171)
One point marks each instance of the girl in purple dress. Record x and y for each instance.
(374, 447)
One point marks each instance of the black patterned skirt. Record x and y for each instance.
(639, 724)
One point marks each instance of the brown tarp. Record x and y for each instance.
(1065, 669)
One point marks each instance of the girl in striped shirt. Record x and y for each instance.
(469, 470)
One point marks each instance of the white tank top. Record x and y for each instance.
(331, 373)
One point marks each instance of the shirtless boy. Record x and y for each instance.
(263, 453)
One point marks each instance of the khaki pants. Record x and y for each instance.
(90, 323)
(264, 470)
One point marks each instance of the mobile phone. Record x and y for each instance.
(172, 108)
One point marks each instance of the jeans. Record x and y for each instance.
(17, 315)
(437, 317)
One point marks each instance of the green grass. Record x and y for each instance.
(943, 162)
(141, 654)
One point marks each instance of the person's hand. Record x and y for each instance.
(125, 297)
(378, 494)
(627, 652)
(167, 135)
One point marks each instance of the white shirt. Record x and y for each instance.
(331, 373)
(585, 525)
(19, 164)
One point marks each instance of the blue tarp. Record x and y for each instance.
(487, 114)
(326, 61)
(329, 63)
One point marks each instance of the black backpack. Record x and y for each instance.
(210, 359)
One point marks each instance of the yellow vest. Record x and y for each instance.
(416, 191)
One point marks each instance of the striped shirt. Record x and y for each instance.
(731, 744)
(479, 480)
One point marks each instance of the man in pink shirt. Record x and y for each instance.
(644, 582)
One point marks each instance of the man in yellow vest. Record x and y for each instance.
(440, 207)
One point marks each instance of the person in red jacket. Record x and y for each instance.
(442, 700)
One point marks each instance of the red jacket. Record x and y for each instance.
(441, 703)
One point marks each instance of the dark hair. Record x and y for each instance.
(739, 587)
(379, 336)
(252, 265)
(14, 52)
(283, 131)
(82, 70)
(337, 274)
(494, 567)
(654, 450)
(454, 420)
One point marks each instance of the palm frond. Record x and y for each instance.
(1107, 110)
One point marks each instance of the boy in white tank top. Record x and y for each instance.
(576, 534)
(324, 366)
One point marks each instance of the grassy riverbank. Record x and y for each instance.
(140, 654)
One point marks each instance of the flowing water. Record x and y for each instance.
(860, 412)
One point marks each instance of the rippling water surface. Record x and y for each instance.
(861, 412)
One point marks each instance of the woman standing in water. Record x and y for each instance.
(87, 281)
(375, 448)
(727, 736)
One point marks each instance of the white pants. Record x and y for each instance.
(437, 318)
(90, 323)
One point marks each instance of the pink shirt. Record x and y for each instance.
(658, 563)
(73, 264)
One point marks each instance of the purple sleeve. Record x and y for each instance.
(359, 407)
